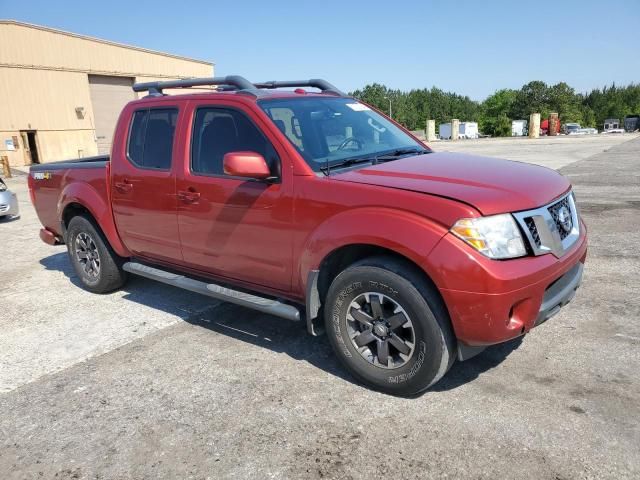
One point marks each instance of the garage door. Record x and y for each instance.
(108, 96)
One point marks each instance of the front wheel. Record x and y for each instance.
(389, 327)
(93, 259)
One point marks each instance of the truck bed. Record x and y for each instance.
(55, 185)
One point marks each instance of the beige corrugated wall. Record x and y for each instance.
(44, 78)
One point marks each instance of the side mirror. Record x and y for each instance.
(246, 164)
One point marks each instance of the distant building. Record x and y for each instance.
(61, 93)
(611, 123)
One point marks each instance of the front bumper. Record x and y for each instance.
(493, 301)
(559, 293)
(8, 204)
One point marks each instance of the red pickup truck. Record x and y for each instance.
(312, 206)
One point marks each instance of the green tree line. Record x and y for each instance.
(494, 114)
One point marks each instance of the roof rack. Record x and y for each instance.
(235, 83)
(318, 83)
(229, 82)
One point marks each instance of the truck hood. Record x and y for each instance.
(490, 185)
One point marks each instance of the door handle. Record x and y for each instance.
(124, 186)
(190, 196)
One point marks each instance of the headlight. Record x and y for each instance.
(496, 236)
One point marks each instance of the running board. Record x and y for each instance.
(243, 299)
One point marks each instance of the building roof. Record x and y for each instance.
(99, 40)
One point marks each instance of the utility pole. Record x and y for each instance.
(389, 98)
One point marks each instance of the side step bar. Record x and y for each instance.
(254, 302)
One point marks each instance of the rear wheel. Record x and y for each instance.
(94, 261)
(388, 326)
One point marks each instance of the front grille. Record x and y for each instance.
(531, 225)
(4, 208)
(552, 228)
(564, 223)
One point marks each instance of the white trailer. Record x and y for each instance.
(468, 130)
(444, 130)
(465, 130)
(518, 128)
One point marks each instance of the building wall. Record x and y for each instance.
(31, 46)
(44, 77)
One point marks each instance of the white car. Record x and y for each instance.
(8, 201)
(572, 129)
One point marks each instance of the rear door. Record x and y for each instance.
(234, 227)
(143, 182)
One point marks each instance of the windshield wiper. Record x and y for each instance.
(346, 163)
(373, 159)
(395, 154)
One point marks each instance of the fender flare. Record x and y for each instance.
(87, 196)
(407, 234)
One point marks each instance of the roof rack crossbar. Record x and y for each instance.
(314, 82)
(235, 82)
(230, 82)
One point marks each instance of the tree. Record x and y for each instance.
(532, 98)
(563, 100)
(612, 102)
(496, 109)
(494, 115)
(375, 95)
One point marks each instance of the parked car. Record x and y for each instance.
(314, 206)
(8, 201)
(571, 128)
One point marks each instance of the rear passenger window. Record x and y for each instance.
(218, 131)
(151, 138)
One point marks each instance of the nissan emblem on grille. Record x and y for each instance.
(564, 217)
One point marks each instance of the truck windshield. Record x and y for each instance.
(337, 131)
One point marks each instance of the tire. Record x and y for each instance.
(414, 324)
(94, 261)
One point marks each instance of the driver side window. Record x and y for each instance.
(218, 131)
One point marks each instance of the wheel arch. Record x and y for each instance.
(79, 199)
(319, 280)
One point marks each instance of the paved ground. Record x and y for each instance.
(152, 382)
(553, 152)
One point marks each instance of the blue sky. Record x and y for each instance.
(470, 47)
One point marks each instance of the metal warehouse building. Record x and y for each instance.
(61, 93)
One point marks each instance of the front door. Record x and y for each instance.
(233, 227)
(143, 184)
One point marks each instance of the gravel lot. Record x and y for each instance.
(154, 382)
